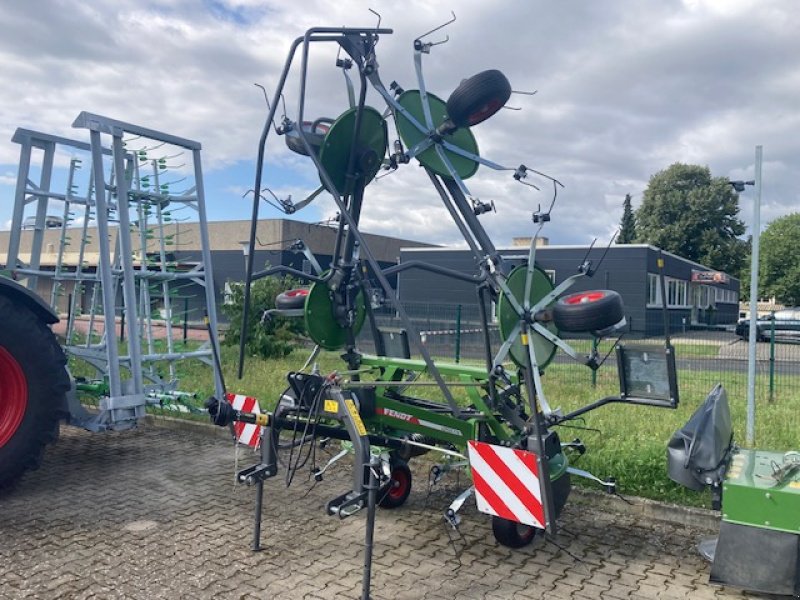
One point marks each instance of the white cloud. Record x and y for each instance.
(625, 89)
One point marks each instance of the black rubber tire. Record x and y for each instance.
(593, 310)
(30, 345)
(516, 535)
(395, 493)
(291, 299)
(478, 98)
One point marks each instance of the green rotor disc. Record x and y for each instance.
(411, 100)
(321, 324)
(541, 285)
(334, 153)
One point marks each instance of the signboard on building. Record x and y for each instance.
(709, 276)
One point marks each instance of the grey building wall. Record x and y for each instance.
(624, 269)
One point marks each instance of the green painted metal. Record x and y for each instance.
(752, 495)
(320, 321)
(507, 318)
(334, 153)
(419, 366)
(411, 100)
(394, 370)
(397, 417)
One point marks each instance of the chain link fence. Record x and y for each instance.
(706, 353)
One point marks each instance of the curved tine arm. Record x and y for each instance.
(287, 271)
(444, 271)
(256, 201)
(530, 268)
(423, 94)
(377, 84)
(537, 378)
(308, 199)
(453, 175)
(461, 152)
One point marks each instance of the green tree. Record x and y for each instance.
(694, 215)
(627, 227)
(779, 268)
(268, 338)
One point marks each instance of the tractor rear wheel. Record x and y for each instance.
(33, 385)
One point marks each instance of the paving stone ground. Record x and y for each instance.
(154, 513)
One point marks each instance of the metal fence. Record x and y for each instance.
(705, 354)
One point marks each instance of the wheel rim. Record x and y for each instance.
(13, 396)
(399, 484)
(484, 112)
(584, 297)
(525, 532)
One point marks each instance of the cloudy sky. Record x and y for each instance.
(625, 89)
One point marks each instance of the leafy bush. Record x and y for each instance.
(273, 337)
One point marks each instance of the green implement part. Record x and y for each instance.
(762, 489)
(321, 322)
(411, 100)
(335, 151)
(541, 285)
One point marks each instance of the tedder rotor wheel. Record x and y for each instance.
(33, 386)
(478, 98)
(594, 310)
(291, 299)
(395, 493)
(517, 535)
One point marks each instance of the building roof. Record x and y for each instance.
(223, 236)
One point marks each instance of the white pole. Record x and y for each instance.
(751, 357)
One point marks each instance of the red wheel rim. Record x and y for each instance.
(526, 532)
(584, 298)
(484, 112)
(13, 396)
(399, 484)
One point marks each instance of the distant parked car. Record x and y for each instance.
(50, 222)
(787, 326)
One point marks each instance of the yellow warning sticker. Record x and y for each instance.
(660, 263)
(331, 406)
(524, 339)
(351, 408)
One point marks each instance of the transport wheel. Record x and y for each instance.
(478, 98)
(517, 535)
(588, 311)
(33, 385)
(395, 493)
(291, 299)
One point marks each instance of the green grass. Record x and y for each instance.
(625, 442)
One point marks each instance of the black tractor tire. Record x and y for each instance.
(594, 310)
(396, 491)
(478, 98)
(33, 387)
(291, 299)
(517, 535)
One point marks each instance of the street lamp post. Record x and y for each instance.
(246, 252)
(753, 328)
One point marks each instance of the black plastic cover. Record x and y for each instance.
(697, 454)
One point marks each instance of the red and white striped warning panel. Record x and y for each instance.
(506, 483)
(246, 433)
